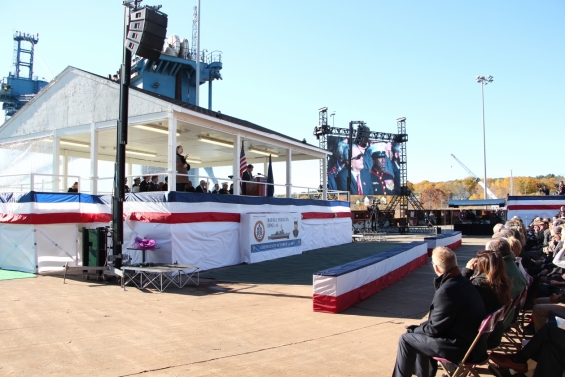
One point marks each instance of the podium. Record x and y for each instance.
(256, 187)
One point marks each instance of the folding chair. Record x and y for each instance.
(465, 367)
(514, 334)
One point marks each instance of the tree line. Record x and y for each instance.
(435, 195)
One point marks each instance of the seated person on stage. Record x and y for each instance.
(455, 315)
(189, 187)
(216, 189)
(224, 189)
(231, 189)
(547, 347)
(165, 186)
(126, 187)
(145, 185)
(154, 184)
(74, 187)
(202, 187)
(136, 183)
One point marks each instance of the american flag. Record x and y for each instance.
(242, 161)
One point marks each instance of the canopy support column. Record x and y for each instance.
(93, 159)
(172, 155)
(289, 173)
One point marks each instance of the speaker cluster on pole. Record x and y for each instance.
(147, 31)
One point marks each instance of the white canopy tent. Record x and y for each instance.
(76, 116)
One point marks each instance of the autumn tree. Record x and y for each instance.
(433, 198)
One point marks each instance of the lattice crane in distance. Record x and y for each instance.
(477, 179)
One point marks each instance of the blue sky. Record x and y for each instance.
(373, 61)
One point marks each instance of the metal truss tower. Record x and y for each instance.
(20, 37)
(406, 196)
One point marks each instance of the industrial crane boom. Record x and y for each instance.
(477, 179)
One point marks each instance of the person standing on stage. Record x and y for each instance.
(374, 209)
(246, 176)
(182, 169)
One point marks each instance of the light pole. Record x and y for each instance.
(484, 81)
(333, 119)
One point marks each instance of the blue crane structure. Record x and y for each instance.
(174, 74)
(18, 88)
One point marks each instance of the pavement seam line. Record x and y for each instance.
(256, 351)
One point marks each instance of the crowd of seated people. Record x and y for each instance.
(517, 260)
(536, 252)
(151, 183)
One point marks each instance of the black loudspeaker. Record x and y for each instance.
(147, 31)
(363, 134)
(93, 247)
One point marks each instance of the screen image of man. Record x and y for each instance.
(382, 182)
(360, 177)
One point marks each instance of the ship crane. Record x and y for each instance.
(477, 179)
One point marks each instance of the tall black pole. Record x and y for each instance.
(121, 141)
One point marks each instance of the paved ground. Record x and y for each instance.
(248, 328)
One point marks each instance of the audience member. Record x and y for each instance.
(497, 228)
(493, 285)
(517, 280)
(455, 315)
(547, 347)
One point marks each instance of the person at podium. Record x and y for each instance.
(246, 176)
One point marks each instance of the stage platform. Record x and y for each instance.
(298, 269)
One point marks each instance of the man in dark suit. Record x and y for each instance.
(145, 185)
(154, 185)
(202, 187)
(360, 177)
(246, 176)
(455, 315)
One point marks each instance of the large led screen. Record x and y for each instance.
(375, 169)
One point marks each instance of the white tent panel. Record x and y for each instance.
(207, 245)
(17, 250)
(320, 233)
(56, 244)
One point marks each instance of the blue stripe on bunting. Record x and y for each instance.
(365, 262)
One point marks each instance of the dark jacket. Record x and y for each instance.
(364, 178)
(200, 189)
(246, 176)
(456, 312)
(144, 186)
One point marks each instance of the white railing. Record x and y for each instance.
(61, 183)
